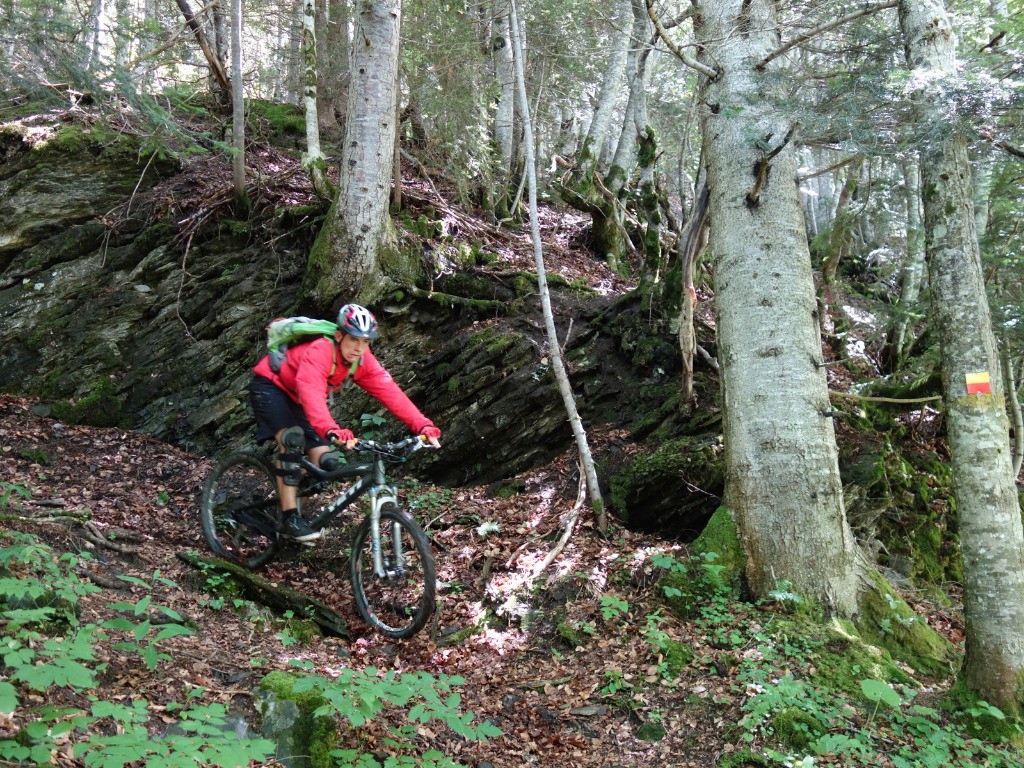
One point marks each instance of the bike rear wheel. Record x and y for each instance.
(399, 603)
(239, 510)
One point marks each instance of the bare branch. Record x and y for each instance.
(1001, 144)
(866, 11)
(829, 169)
(682, 55)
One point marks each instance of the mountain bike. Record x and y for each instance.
(391, 563)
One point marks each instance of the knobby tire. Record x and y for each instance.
(239, 510)
(397, 605)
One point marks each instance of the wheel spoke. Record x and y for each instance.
(399, 601)
(240, 510)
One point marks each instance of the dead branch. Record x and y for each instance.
(274, 596)
(107, 582)
(682, 55)
(800, 39)
(567, 526)
(97, 537)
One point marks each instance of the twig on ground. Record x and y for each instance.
(567, 525)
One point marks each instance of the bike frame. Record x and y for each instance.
(372, 481)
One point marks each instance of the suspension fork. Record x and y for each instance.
(380, 494)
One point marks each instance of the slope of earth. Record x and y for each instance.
(581, 700)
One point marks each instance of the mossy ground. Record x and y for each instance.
(312, 736)
(101, 406)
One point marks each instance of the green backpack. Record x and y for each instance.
(285, 331)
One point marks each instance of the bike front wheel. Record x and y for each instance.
(399, 602)
(239, 510)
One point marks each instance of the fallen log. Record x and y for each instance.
(280, 599)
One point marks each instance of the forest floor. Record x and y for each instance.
(556, 703)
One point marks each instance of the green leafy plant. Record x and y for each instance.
(359, 696)
(12, 494)
(615, 681)
(39, 594)
(613, 607)
(369, 425)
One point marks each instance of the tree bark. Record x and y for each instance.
(783, 485)
(237, 105)
(912, 275)
(313, 159)
(691, 243)
(991, 535)
(204, 44)
(593, 145)
(838, 245)
(345, 261)
(333, 56)
(505, 114)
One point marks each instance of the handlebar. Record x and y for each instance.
(408, 445)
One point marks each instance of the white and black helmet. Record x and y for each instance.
(358, 321)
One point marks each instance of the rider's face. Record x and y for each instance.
(352, 348)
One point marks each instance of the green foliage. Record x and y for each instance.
(357, 697)
(45, 647)
(369, 425)
(673, 655)
(613, 607)
(12, 493)
(695, 588)
(34, 456)
(426, 502)
(275, 118)
(841, 701)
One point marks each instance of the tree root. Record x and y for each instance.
(449, 299)
(115, 539)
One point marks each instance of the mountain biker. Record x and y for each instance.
(296, 396)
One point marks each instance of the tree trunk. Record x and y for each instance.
(313, 159)
(627, 148)
(691, 242)
(333, 56)
(838, 246)
(783, 485)
(504, 117)
(564, 387)
(220, 76)
(593, 145)
(911, 277)
(345, 261)
(238, 105)
(991, 535)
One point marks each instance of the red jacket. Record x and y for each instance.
(307, 374)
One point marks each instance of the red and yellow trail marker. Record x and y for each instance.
(978, 383)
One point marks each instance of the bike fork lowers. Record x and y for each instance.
(377, 501)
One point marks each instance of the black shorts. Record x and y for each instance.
(275, 411)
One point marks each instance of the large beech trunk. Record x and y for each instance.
(783, 483)
(991, 535)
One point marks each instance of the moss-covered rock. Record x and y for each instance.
(673, 490)
(101, 406)
(885, 620)
(743, 758)
(288, 720)
(721, 538)
(796, 729)
(651, 731)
